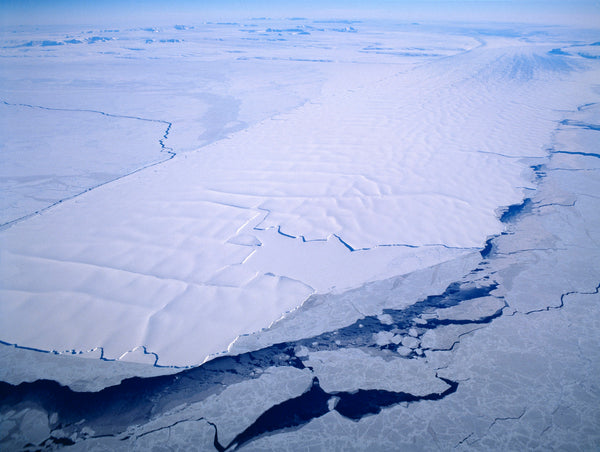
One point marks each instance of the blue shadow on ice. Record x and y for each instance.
(134, 401)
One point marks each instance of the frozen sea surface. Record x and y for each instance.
(393, 245)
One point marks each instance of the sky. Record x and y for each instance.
(115, 12)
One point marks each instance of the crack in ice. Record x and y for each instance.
(161, 141)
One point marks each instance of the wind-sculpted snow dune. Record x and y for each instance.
(419, 215)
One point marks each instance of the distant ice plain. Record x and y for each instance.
(308, 158)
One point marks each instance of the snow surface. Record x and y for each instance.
(375, 175)
(321, 209)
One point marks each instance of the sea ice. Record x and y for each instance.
(370, 178)
(331, 242)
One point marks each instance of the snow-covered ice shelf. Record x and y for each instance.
(370, 178)
(411, 240)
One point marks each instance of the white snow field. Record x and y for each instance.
(351, 178)
(300, 234)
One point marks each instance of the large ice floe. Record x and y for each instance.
(371, 236)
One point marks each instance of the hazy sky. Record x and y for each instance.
(108, 12)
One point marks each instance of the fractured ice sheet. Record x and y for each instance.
(497, 371)
(342, 178)
(363, 196)
(418, 346)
